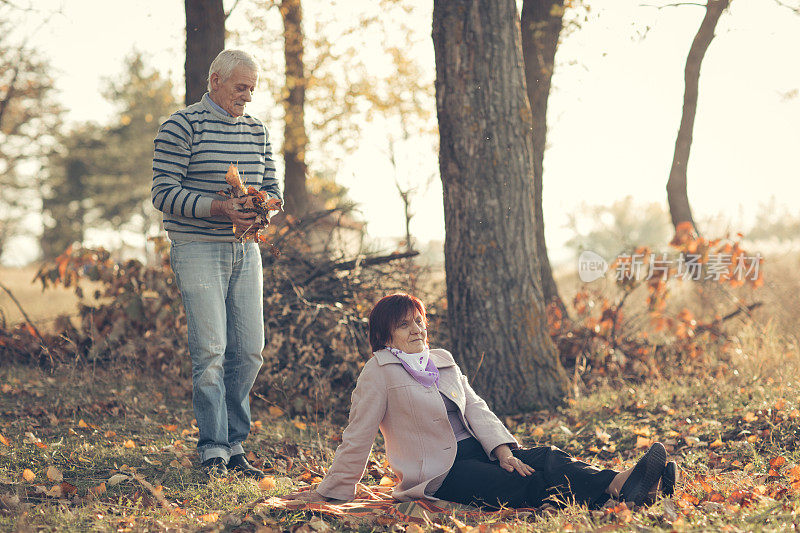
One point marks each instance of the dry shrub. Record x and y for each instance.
(314, 314)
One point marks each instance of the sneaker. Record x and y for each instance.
(669, 478)
(239, 465)
(645, 476)
(215, 467)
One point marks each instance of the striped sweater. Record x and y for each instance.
(193, 149)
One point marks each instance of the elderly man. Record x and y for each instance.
(220, 279)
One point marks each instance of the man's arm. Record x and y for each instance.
(173, 149)
(269, 183)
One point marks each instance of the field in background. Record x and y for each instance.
(42, 307)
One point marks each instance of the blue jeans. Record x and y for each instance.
(222, 288)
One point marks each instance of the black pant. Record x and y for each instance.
(558, 479)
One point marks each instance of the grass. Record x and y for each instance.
(124, 444)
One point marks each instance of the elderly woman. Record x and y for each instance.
(443, 441)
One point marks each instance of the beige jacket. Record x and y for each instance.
(420, 444)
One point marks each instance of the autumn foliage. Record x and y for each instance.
(609, 339)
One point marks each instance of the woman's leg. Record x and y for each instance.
(567, 479)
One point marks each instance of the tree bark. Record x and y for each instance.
(295, 137)
(541, 26)
(494, 294)
(205, 38)
(677, 196)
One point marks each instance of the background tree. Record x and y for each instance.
(609, 230)
(677, 195)
(295, 139)
(100, 176)
(28, 116)
(540, 26)
(205, 38)
(331, 91)
(494, 295)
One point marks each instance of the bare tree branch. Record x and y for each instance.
(796, 9)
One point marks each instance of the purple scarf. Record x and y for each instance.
(427, 377)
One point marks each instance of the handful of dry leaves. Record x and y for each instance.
(255, 202)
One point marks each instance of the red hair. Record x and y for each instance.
(388, 313)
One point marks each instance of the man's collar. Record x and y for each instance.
(216, 106)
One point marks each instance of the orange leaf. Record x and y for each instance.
(794, 473)
(267, 483)
(210, 517)
(4, 440)
(82, 424)
(299, 425)
(170, 427)
(780, 404)
(99, 489)
(233, 178)
(275, 411)
(110, 434)
(750, 417)
(777, 462)
(28, 475)
(717, 443)
(643, 442)
(129, 444)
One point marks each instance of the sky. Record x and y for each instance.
(613, 112)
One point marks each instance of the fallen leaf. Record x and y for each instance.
(717, 443)
(537, 432)
(4, 440)
(750, 417)
(300, 425)
(170, 427)
(54, 474)
(55, 491)
(110, 434)
(116, 479)
(779, 404)
(82, 424)
(209, 517)
(275, 411)
(129, 444)
(257, 424)
(99, 489)
(267, 483)
(644, 442)
(777, 462)
(28, 475)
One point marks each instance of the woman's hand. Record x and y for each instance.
(306, 496)
(510, 463)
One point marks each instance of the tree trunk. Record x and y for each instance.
(295, 137)
(205, 38)
(677, 196)
(541, 25)
(494, 295)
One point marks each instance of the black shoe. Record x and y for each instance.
(215, 467)
(238, 464)
(669, 478)
(645, 476)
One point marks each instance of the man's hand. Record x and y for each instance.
(306, 495)
(231, 210)
(510, 463)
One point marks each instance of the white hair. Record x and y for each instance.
(227, 60)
